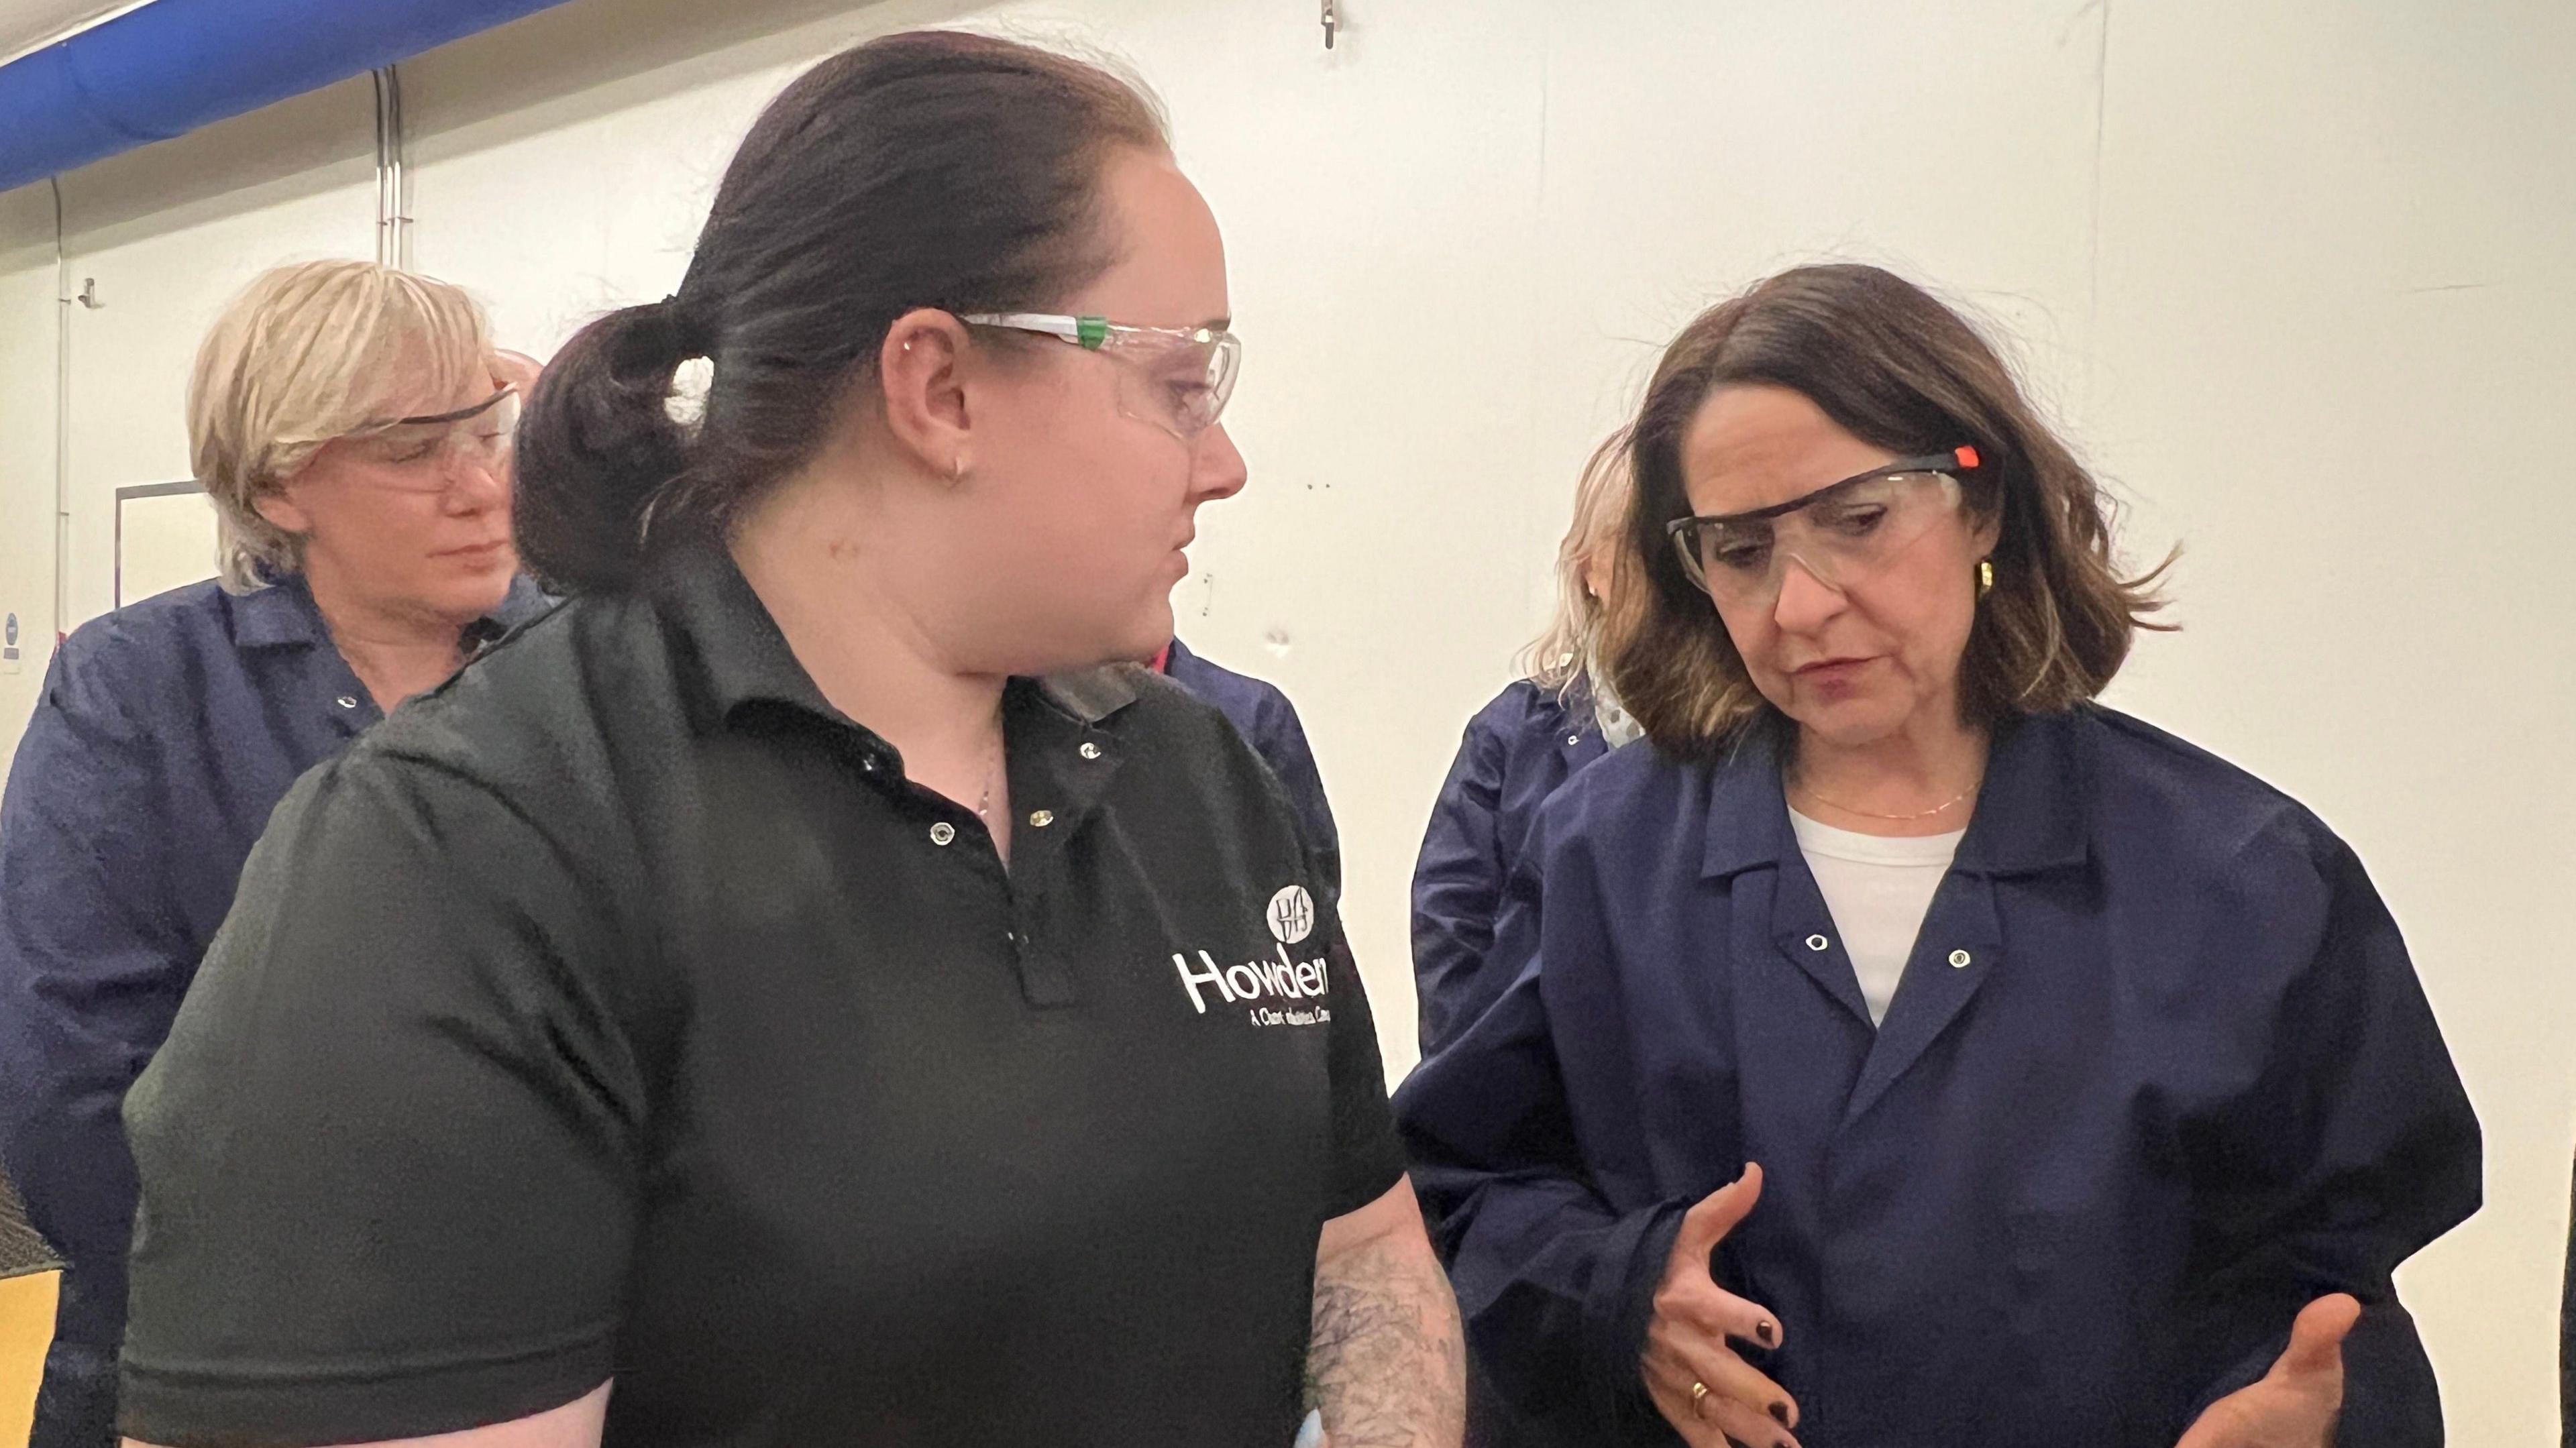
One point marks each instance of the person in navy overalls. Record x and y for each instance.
(1267, 722)
(1902, 1048)
(351, 424)
(1517, 751)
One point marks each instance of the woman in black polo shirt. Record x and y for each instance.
(792, 996)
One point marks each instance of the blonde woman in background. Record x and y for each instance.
(346, 420)
(1517, 751)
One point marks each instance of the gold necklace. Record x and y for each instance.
(1946, 805)
(992, 776)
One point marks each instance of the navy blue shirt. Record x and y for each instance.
(1268, 722)
(1517, 751)
(166, 733)
(2158, 1074)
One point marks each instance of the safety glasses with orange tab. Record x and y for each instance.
(1839, 533)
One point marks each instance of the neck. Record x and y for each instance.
(807, 551)
(394, 651)
(1921, 780)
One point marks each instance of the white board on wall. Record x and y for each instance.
(165, 539)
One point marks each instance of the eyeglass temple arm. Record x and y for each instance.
(1088, 333)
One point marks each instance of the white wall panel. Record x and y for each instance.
(27, 415)
(2330, 361)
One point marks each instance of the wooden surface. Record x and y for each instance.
(26, 1328)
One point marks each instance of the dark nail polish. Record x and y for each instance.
(1770, 1335)
(1780, 1414)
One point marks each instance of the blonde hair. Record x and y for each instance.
(305, 354)
(1557, 657)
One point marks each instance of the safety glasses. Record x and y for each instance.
(426, 445)
(1177, 378)
(1840, 533)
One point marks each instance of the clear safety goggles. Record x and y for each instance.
(1840, 533)
(479, 434)
(1177, 378)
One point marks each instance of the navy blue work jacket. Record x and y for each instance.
(1268, 722)
(2159, 1073)
(166, 733)
(1517, 751)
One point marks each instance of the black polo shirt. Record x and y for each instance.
(620, 1009)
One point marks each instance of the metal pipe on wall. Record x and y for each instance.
(62, 422)
(393, 199)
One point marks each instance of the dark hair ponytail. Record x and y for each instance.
(930, 169)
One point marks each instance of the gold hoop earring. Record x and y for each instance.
(1985, 576)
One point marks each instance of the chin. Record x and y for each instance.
(1848, 723)
(1152, 632)
(474, 597)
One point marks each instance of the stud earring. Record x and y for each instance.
(1985, 576)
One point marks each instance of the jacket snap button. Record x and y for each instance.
(942, 833)
(1959, 960)
(1817, 942)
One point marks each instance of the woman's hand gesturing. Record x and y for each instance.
(1711, 1396)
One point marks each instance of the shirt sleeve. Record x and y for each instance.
(388, 1156)
(1458, 890)
(1554, 1283)
(93, 960)
(1368, 1160)
(1283, 747)
(2355, 1148)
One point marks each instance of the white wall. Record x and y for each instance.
(2292, 271)
(28, 387)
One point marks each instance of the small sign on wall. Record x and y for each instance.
(10, 657)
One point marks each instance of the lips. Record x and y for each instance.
(1828, 667)
(475, 552)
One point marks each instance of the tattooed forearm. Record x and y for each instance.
(1387, 1364)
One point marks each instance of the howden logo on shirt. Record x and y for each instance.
(1292, 915)
(1267, 989)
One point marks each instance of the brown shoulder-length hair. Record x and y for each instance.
(1894, 367)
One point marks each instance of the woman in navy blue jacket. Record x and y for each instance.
(1517, 751)
(2093, 1094)
(351, 424)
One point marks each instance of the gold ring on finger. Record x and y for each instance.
(1699, 1395)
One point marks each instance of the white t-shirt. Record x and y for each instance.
(1878, 889)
